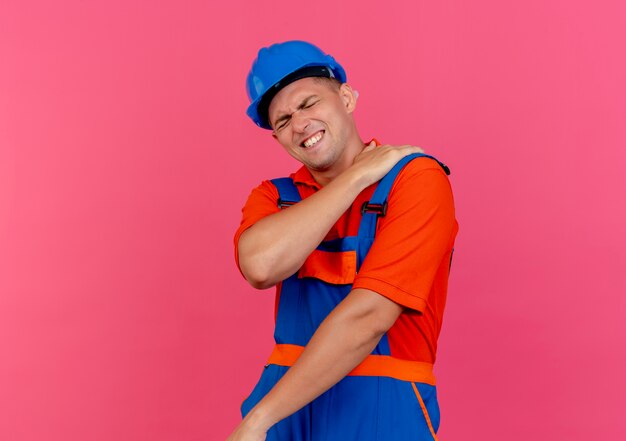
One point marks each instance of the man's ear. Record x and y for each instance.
(348, 96)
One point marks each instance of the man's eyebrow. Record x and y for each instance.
(285, 116)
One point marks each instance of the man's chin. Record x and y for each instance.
(318, 166)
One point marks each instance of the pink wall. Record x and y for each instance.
(125, 157)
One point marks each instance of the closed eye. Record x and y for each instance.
(308, 102)
(283, 124)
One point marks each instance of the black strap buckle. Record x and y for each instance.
(380, 209)
(284, 204)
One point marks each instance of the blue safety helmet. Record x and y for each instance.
(281, 64)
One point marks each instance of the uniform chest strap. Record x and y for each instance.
(372, 366)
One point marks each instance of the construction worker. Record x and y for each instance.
(358, 243)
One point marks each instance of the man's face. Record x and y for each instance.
(312, 120)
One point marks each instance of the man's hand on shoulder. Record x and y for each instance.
(373, 163)
(276, 246)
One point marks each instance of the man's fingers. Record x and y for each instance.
(413, 149)
(375, 162)
(369, 146)
(401, 150)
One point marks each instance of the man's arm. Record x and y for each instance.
(419, 231)
(343, 340)
(276, 246)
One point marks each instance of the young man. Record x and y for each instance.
(358, 242)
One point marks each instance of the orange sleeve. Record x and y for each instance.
(414, 237)
(262, 202)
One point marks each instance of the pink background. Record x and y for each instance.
(125, 157)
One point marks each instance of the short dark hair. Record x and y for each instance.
(332, 82)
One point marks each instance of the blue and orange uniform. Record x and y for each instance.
(396, 239)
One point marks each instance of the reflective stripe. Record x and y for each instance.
(424, 411)
(372, 366)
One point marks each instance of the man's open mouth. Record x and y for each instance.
(312, 140)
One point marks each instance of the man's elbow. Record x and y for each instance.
(257, 275)
(252, 264)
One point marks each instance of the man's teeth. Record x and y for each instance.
(313, 140)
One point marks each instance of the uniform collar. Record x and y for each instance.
(303, 175)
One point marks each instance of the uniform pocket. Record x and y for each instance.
(269, 377)
(429, 423)
(335, 267)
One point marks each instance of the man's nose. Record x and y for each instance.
(300, 121)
